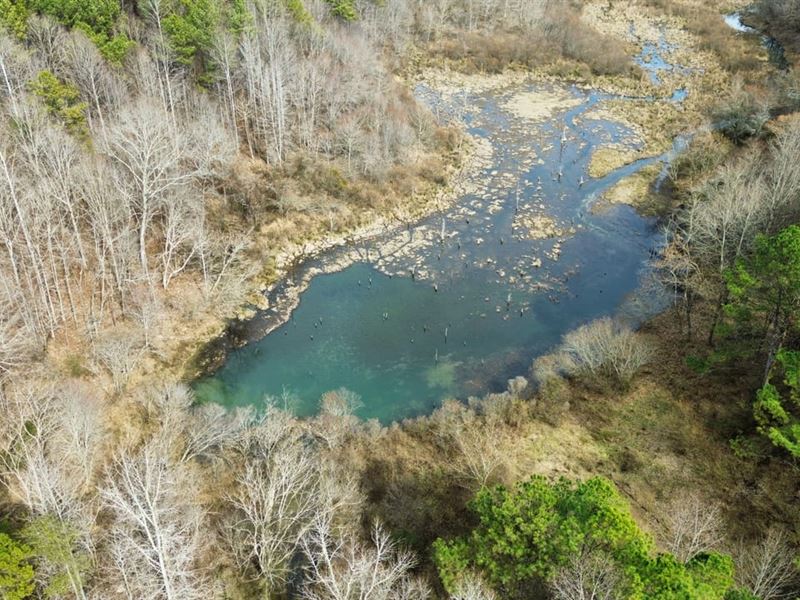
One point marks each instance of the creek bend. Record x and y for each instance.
(460, 302)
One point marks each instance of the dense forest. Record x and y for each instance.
(159, 159)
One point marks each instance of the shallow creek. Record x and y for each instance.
(460, 302)
(776, 52)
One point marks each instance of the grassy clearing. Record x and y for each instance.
(560, 41)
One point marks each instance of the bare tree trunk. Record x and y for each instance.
(723, 298)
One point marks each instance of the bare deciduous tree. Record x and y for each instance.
(724, 218)
(17, 342)
(49, 38)
(81, 431)
(51, 446)
(157, 534)
(343, 568)
(220, 258)
(604, 347)
(276, 499)
(693, 525)
(119, 351)
(181, 228)
(151, 160)
(586, 577)
(90, 72)
(337, 419)
(472, 587)
(187, 430)
(268, 59)
(16, 70)
(481, 455)
(49, 456)
(767, 568)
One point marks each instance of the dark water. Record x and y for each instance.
(776, 52)
(466, 299)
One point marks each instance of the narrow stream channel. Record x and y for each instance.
(467, 298)
(776, 52)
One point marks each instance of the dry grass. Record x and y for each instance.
(562, 39)
(677, 426)
(608, 159)
(637, 191)
(409, 472)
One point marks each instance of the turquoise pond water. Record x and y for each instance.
(466, 299)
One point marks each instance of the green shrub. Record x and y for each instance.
(98, 15)
(14, 17)
(775, 412)
(344, 9)
(96, 18)
(527, 535)
(190, 28)
(113, 48)
(298, 11)
(55, 545)
(73, 364)
(699, 364)
(764, 298)
(16, 572)
(62, 100)
(237, 16)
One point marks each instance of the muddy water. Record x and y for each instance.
(464, 300)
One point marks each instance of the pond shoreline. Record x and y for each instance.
(343, 250)
(529, 271)
(212, 352)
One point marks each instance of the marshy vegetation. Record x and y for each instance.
(160, 160)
